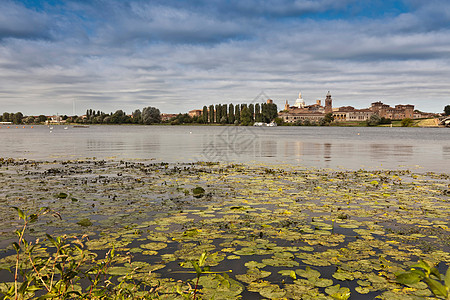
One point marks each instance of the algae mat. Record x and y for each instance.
(284, 232)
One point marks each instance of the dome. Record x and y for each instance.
(300, 103)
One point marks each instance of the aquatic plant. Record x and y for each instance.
(423, 272)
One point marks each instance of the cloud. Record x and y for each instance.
(17, 21)
(181, 55)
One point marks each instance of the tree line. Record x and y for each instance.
(240, 114)
(149, 115)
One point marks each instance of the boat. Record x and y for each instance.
(261, 124)
(80, 126)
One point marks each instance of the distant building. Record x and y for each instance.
(167, 117)
(301, 112)
(349, 113)
(394, 113)
(54, 120)
(195, 113)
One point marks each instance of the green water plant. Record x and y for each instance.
(438, 283)
(57, 273)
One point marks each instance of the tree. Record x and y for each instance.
(205, 115)
(211, 114)
(279, 121)
(17, 118)
(245, 116)
(137, 116)
(251, 109)
(224, 114)
(269, 112)
(42, 118)
(118, 117)
(447, 110)
(218, 113)
(374, 120)
(231, 113)
(6, 117)
(328, 118)
(237, 114)
(407, 122)
(151, 115)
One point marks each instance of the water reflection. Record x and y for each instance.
(309, 146)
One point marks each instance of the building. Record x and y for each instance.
(398, 112)
(349, 113)
(302, 112)
(195, 113)
(167, 117)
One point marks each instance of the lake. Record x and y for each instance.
(420, 149)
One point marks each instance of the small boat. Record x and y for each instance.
(80, 126)
(65, 128)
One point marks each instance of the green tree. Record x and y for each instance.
(407, 122)
(218, 113)
(211, 114)
(6, 117)
(42, 118)
(328, 118)
(251, 109)
(279, 121)
(269, 112)
(151, 115)
(246, 119)
(374, 120)
(205, 114)
(137, 116)
(17, 118)
(224, 118)
(237, 114)
(118, 117)
(231, 113)
(447, 110)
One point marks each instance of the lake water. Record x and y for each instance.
(420, 149)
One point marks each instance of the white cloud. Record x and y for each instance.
(179, 58)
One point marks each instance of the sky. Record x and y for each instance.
(64, 57)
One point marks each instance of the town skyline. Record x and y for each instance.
(110, 55)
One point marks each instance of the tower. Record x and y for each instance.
(328, 104)
(286, 106)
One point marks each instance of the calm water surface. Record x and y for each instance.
(420, 149)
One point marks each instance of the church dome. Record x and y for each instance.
(300, 103)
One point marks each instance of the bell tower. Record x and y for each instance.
(328, 104)
(286, 106)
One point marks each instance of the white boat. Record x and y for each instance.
(261, 124)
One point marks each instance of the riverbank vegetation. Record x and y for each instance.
(170, 231)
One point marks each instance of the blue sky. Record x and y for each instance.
(181, 55)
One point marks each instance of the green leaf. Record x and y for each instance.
(422, 264)
(436, 287)
(201, 261)
(16, 246)
(20, 213)
(293, 275)
(409, 277)
(447, 278)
